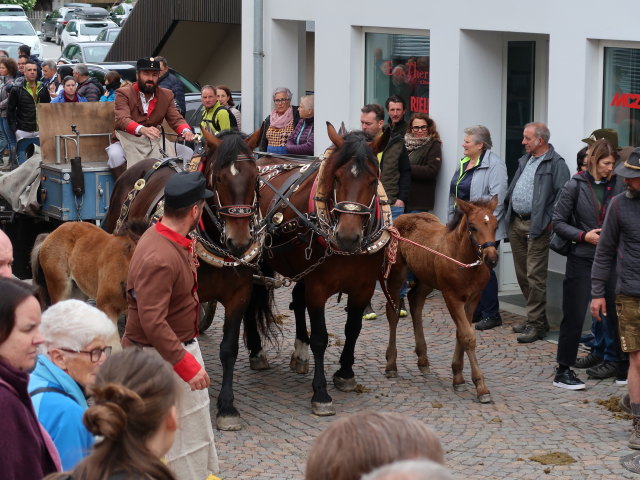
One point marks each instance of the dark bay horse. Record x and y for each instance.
(325, 237)
(469, 237)
(228, 241)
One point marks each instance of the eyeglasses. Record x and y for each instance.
(95, 354)
(281, 100)
(417, 128)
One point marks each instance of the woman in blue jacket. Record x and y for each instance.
(68, 92)
(76, 336)
(112, 82)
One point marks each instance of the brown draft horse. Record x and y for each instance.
(232, 175)
(469, 237)
(80, 260)
(295, 248)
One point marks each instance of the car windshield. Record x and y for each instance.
(92, 28)
(111, 35)
(17, 12)
(16, 28)
(96, 53)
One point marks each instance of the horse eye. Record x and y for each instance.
(473, 228)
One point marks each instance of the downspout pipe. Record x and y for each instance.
(258, 61)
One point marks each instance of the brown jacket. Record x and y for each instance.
(130, 114)
(162, 297)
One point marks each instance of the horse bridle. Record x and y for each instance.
(479, 248)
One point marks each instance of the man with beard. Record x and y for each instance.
(140, 109)
(619, 238)
(163, 315)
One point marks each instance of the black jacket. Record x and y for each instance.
(91, 89)
(577, 198)
(395, 170)
(262, 145)
(171, 82)
(21, 109)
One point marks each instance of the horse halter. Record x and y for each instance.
(477, 246)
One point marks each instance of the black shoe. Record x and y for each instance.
(531, 334)
(589, 361)
(606, 369)
(488, 323)
(519, 327)
(568, 380)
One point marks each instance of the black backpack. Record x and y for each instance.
(232, 118)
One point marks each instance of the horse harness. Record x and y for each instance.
(157, 203)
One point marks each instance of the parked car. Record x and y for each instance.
(121, 12)
(79, 30)
(55, 21)
(127, 71)
(108, 34)
(7, 9)
(85, 52)
(11, 48)
(19, 29)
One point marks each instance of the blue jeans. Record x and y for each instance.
(8, 135)
(395, 213)
(489, 305)
(23, 144)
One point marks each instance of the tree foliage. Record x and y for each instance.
(26, 4)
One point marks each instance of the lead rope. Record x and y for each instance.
(393, 248)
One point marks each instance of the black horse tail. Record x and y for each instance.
(37, 274)
(260, 316)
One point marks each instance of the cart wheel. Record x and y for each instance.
(205, 315)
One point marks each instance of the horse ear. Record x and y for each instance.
(333, 136)
(493, 203)
(461, 204)
(380, 142)
(254, 138)
(213, 141)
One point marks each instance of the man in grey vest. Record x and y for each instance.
(533, 192)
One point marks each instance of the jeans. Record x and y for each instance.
(23, 144)
(489, 305)
(8, 135)
(395, 213)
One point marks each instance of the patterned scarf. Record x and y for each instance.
(281, 121)
(413, 143)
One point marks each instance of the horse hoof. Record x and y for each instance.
(259, 363)
(323, 409)
(391, 373)
(345, 384)
(485, 398)
(302, 366)
(228, 424)
(424, 368)
(459, 387)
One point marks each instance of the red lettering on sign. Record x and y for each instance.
(629, 100)
(419, 104)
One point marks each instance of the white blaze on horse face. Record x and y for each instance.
(355, 171)
(486, 219)
(234, 170)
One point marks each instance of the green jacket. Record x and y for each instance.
(217, 124)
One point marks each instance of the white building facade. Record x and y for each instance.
(574, 65)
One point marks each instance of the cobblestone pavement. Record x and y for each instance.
(529, 415)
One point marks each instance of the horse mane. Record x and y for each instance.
(133, 229)
(233, 144)
(355, 146)
(458, 214)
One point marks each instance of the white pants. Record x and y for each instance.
(117, 156)
(193, 455)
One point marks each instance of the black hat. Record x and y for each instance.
(630, 168)
(184, 189)
(148, 64)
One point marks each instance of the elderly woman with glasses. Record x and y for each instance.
(75, 345)
(279, 125)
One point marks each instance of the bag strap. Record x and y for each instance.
(50, 389)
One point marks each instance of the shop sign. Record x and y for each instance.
(629, 100)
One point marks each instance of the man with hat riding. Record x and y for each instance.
(140, 109)
(163, 315)
(619, 239)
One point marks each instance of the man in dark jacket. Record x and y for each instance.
(88, 87)
(396, 108)
(22, 111)
(619, 239)
(170, 81)
(531, 196)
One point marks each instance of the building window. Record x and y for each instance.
(621, 99)
(397, 65)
